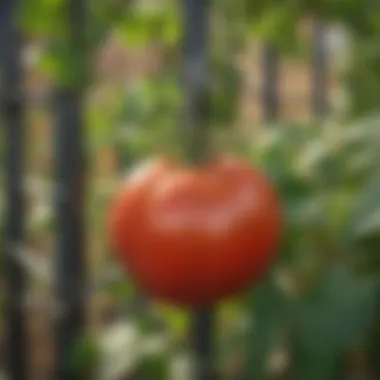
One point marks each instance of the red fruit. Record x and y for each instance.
(195, 235)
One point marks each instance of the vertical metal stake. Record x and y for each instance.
(270, 100)
(195, 78)
(201, 340)
(69, 203)
(14, 133)
(196, 109)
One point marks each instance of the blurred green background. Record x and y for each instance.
(316, 316)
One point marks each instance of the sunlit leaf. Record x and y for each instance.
(367, 202)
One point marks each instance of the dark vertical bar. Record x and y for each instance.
(195, 60)
(69, 205)
(269, 91)
(196, 109)
(201, 340)
(14, 133)
(318, 73)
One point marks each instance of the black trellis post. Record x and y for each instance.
(69, 202)
(201, 339)
(196, 109)
(269, 89)
(14, 133)
(318, 72)
(195, 60)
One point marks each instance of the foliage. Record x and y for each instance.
(319, 300)
(362, 77)
(85, 355)
(330, 306)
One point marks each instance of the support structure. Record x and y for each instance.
(195, 78)
(196, 116)
(14, 220)
(202, 342)
(69, 265)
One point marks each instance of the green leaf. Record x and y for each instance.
(85, 355)
(144, 24)
(269, 311)
(361, 222)
(177, 319)
(276, 24)
(41, 17)
(122, 290)
(65, 64)
(330, 318)
(154, 367)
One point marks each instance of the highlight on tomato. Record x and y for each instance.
(193, 235)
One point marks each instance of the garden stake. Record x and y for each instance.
(14, 221)
(196, 23)
(69, 201)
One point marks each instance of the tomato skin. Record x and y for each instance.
(194, 235)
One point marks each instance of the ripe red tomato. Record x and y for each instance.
(194, 235)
